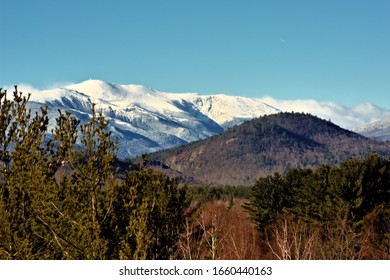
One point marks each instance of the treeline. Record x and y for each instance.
(332, 212)
(60, 201)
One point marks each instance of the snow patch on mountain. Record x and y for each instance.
(379, 130)
(231, 110)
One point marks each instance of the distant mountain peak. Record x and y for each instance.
(99, 89)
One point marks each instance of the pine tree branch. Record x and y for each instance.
(56, 235)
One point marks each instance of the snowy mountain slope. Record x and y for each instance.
(379, 130)
(238, 109)
(146, 120)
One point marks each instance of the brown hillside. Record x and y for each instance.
(242, 154)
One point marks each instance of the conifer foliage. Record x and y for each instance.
(60, 201)
(344, 208)
(153, 215)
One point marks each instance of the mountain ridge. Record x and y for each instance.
(146, 120)
(262, 146)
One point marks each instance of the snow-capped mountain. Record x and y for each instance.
(379, 130)
(146, 120)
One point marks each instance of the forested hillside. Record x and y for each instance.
(58, 201)
(272, 143)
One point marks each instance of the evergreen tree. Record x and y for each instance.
(153, 207)
(270, 195)
(342, 202)
(26, 170)
(84, 194)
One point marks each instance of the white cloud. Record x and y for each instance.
(59, 85)
(27, 87)
(24, 88)
(346, 117)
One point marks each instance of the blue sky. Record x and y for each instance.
(329, 50)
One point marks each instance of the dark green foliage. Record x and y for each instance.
(152, 215)
(206, 193)
(345, 202)
(270, 196)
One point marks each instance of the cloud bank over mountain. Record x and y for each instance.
(346, 117)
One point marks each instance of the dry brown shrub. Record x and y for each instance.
(220, 232)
